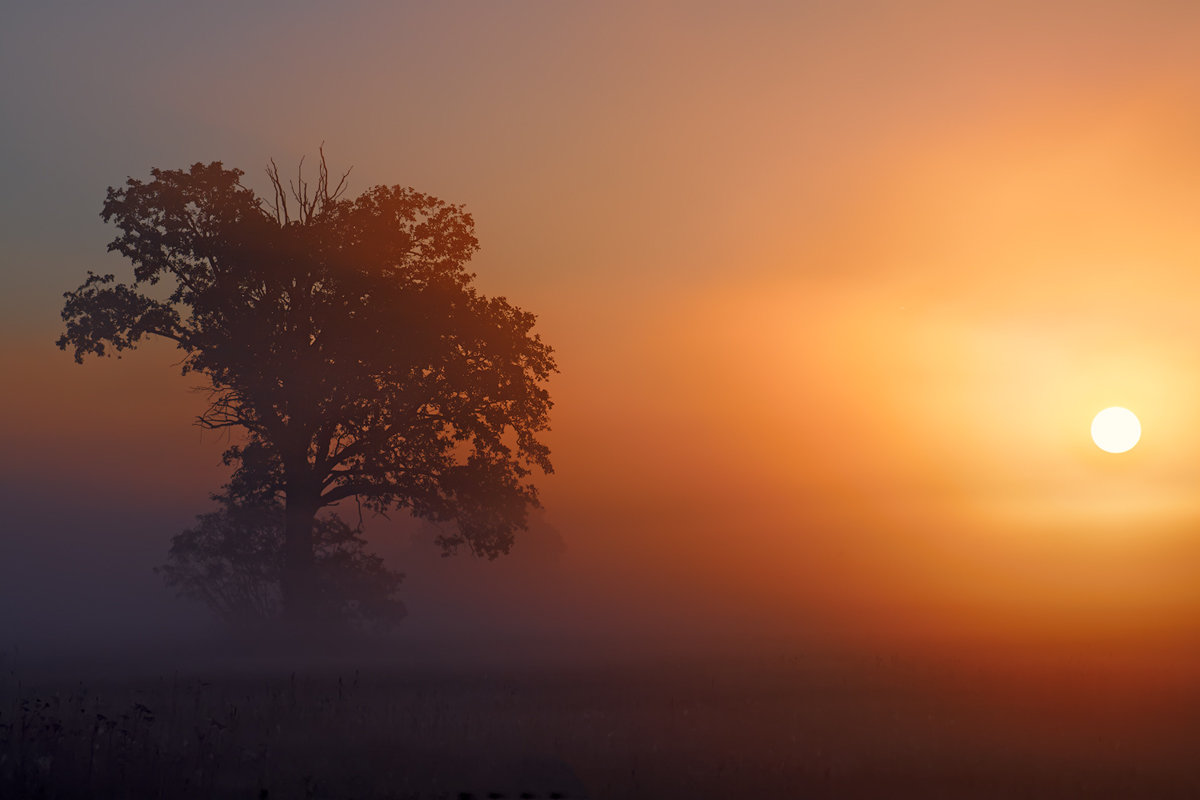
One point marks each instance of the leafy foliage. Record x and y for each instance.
(344, 337)
(232, 561)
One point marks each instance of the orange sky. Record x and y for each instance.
(836, 288)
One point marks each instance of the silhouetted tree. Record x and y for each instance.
(344, 337)
(232, 561)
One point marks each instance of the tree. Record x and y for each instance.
(232, 562)
(344, 338)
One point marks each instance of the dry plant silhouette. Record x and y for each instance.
(345, 340)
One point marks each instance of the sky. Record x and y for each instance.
(835, 289)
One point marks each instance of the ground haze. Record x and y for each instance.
(772, 723)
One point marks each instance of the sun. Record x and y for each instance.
(1116, 429)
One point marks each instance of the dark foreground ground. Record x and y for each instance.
(781, 726)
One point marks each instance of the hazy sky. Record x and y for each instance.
(835, 287)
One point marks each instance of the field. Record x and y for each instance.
(778, 726)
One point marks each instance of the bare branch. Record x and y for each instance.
(279, 205)
(340, 189)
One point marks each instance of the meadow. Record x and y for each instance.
(735, 726)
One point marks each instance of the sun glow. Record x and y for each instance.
(1116, 430)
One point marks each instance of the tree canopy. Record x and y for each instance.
(344, 337)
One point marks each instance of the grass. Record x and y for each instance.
(785, 726)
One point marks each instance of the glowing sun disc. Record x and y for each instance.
(1116, 429)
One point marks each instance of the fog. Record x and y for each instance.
(834, 290)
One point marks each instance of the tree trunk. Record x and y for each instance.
(298, 579)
